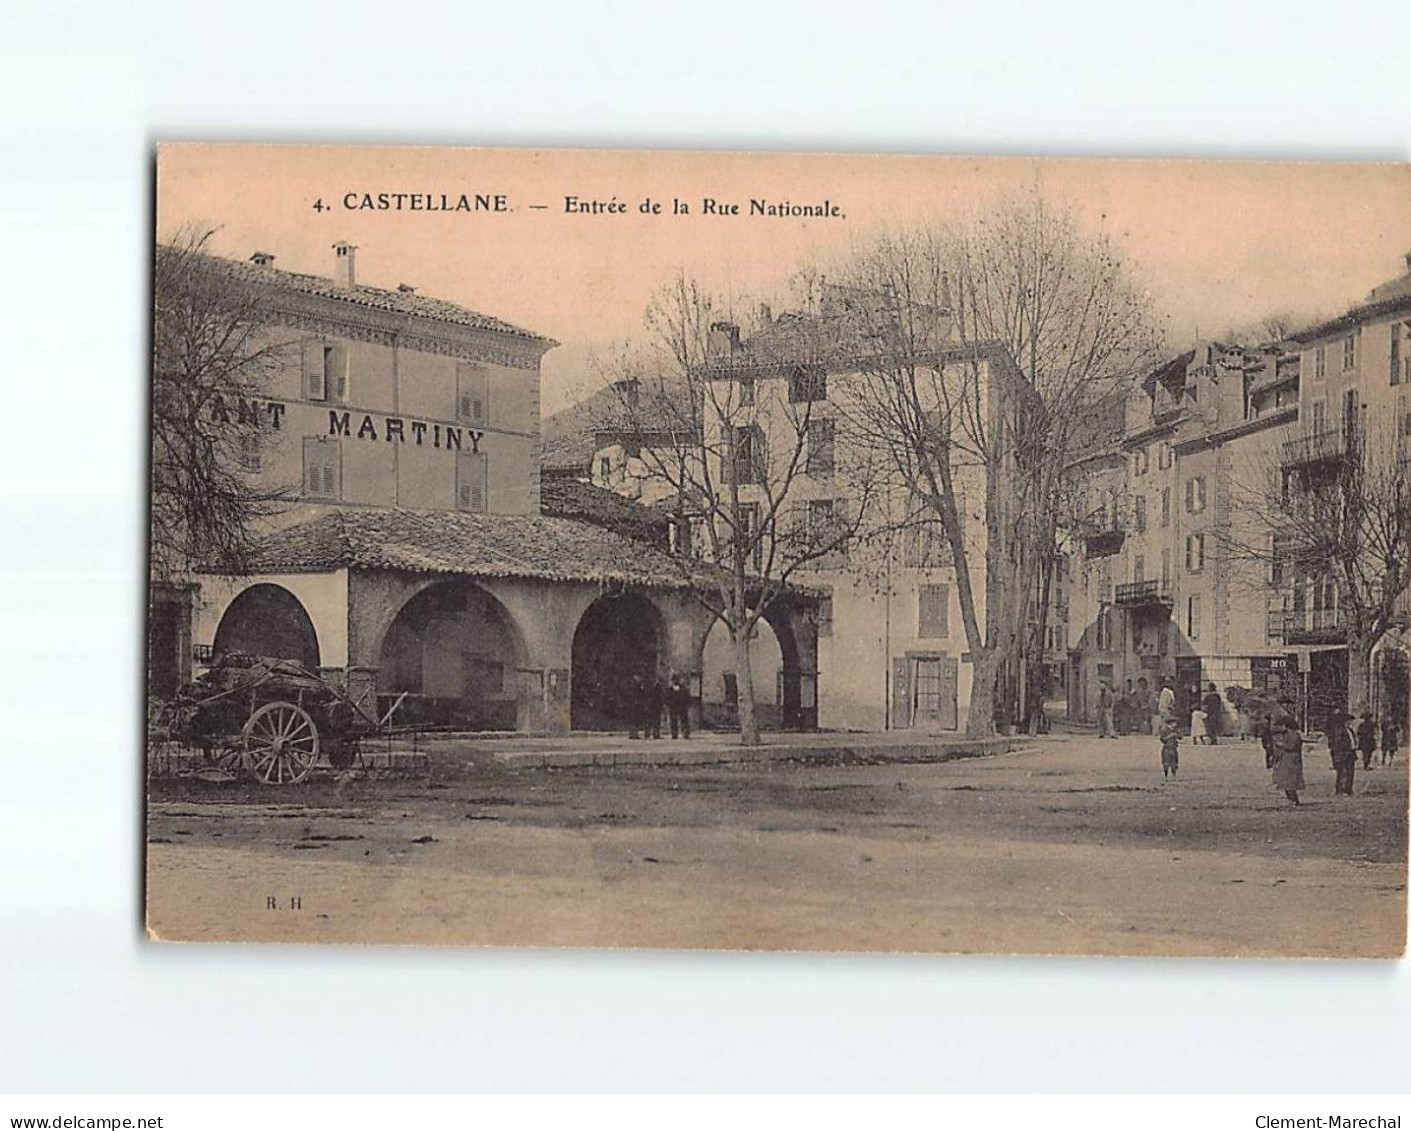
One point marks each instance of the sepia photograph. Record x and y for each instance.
(802, 552)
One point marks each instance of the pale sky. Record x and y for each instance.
(1216, 243)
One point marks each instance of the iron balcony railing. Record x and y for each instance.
(1321, 446)
(1138, 593)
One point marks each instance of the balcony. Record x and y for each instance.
(1150, 596)
(1102, 541)
(1312, 626)
(1327, 445)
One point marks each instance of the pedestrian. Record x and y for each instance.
(1144, 706)
(1367, 738)
(1264, 731)
(1214, 714)
(1342, 751)
(636, 693)
(678, 706)
(651, 706)
(1104, 713)
(1199, 735)
(1391, 735)
(1166, 702)
(1288, 751)
(1170, 736)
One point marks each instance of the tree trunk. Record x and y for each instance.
(980, 719)
(744, 685)
(1359, 673)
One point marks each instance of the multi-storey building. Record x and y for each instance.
(416, 560)
(1164, 592)
(892, 651)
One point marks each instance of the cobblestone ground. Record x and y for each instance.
(1070, 845)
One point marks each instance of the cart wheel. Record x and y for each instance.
(281, 744)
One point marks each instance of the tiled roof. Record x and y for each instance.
(525, 546)
(376, 298)
(587, 502)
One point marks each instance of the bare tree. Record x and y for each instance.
(1330, 512)
(730, 427)
(987, 350)
(212, 351)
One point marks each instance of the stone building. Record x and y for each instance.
(1162, 594)
(418, 557)
(891, 647)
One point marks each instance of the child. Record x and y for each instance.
(1170, 747)
(1198, 732)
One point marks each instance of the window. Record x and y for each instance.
(807, 383)
(749, 456)
(1349, 352)
(472, 482)
(1141, 461)
(924, 546)
(1320, 362)
(250, 451)
(933, 611)
(749, 534)
(1139, 567)
(1141, 514)
(1320, 416)
(1165, 570)
(315, 382)
(1166, 506)
(1193, 617)
(604, 468)
(1349, 413)
(1395, 353)
(1278, 552)
(1195, 552)
(323, 468)
(820, 447)
(335, 372)
(746, 392)
(1165, 457)
(825, 616)
(472, 393)
(732, 689)
(1195, 494)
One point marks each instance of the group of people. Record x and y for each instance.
(1283, 747)
(1137, 711)
(647, 696)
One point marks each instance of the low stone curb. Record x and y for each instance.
(728, 755)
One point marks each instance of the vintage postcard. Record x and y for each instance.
(779, 551)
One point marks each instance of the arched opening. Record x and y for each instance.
(452, 654)
(268, 620)
(720, 682)
(618, 645)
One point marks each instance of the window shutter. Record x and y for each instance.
(472, 482)
(315, 380)
(335, 372)
(472, 393)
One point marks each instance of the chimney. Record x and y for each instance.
(262, 259)
(344, 255)
(723, 339)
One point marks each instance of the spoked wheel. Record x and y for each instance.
(280, 743)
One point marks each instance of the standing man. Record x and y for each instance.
(1166, 701)
(1104, 713)
(1342, 751)
(678, 707)
(651, 707)
(1214, 713)
(636, 695)
(1367, 739)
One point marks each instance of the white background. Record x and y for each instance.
(85, 90)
